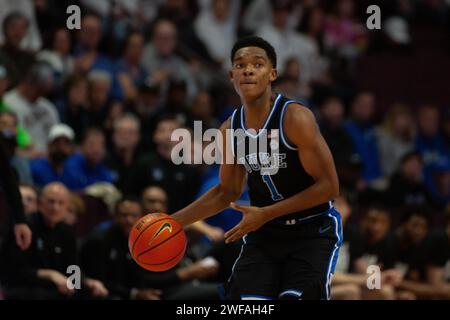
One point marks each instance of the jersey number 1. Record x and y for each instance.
(276, 196)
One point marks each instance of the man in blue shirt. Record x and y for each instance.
(53, 167)
(87, 167)
(362, 133)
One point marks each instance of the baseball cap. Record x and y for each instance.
(61, 130)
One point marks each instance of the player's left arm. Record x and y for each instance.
(301, 130)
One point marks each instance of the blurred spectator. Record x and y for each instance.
(98, 106)
(76, 208)
(343, 33)
(287, 42)
(30, 36)
(124, 152)
(412, 257)
(395, 137)
(435, 153)
(180, 181)
(53, 168)
(36, 114)
(216, 26)
(202, 109)
(377, 244)
(362, 131)
(29, 198)
(106, 255)
(58, 57)
(87, 167)
(40, 272)
(154, 199)
(16, 60)
(406, 187)
(73, 108)
(350, 277)
(429, 142)
(88, 57)
(290, 82)
(148, 108)
(161, 60)
(340, 143)
(258, 12)
(10, 131)
(438, 250)
(131, 73)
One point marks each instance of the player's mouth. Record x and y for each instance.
(248, 82)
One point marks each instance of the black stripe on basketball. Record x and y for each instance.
(143, 230)
(165, 240)
(167, 261)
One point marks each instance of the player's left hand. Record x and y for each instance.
(252, 219)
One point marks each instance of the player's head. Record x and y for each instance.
(376, 223)
(254, 63)
(128, 211)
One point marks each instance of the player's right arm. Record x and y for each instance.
(216, 199)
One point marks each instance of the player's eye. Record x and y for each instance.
(238, 65)
(258, 65)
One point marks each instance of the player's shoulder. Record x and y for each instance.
(297, 114)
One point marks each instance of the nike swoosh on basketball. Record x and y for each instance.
(322, 230)
(165, 226)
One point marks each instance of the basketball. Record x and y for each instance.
(157, 242)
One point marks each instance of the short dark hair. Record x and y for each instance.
(11, 17)
(253, 41)
(420, 211)
(127, 198)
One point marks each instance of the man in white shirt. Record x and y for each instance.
(36, 114)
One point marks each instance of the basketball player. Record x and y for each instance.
(291, 232)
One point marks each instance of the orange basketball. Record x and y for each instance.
(157, 242)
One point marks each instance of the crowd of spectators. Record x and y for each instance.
(86, 118)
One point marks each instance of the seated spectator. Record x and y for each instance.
(161, 60)
(58, 57)
(362, 132)
(53, 168)
(29, 198)
(88, 58)
(87, 167)
(40, 272)
(73, 106)
(36, 114)
(10, 130)
(16, 60)
(406, 187)
(438, 249)
(99, 85)
(347, 162)
(124, 152)
(131, 73)
(350, 277)
(180, 181)
(154, 199)
(395, 137)
(76, 208)
(412, 258)
(290, 82)
(106, 256)
(202, 109)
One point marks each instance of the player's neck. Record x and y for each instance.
(257, 110)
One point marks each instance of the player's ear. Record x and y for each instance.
(273, 75)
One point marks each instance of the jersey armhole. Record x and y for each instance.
(284, 138)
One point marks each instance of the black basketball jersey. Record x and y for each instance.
(274, 169)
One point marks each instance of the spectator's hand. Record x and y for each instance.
(23, 235)
(201, 269)
(97, 288)
(60, 281)
(148, 294)
(252, 219)
(391, 277)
